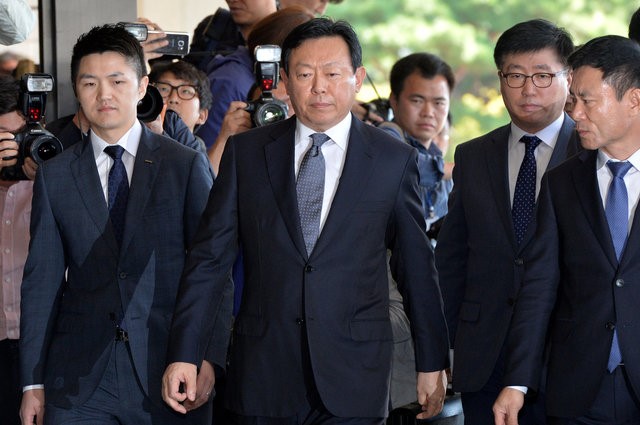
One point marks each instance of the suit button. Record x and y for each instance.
(511, 301)
(122, 275)
(308, 269)
(610, 326)
(619, 283)
(519, 261)
(299, 321)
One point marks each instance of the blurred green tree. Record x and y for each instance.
(463, 33)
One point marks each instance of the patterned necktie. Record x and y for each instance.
(524, 197)
(117, 190)
(310, 189)
(617, 212)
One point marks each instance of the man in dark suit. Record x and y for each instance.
(482, 247)
(312, 340)
(585, 254)
(108, 242)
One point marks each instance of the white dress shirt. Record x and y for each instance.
(548, 135)
(631, 180)
(129, 141)
(333, 151)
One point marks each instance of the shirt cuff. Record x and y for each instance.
(32, 387)
(519, 388)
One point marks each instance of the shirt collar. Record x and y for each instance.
(339, 133)
(129, 141)
(548, 135)
(603, 158)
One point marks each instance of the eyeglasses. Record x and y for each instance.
(542, 80)
(185, 91)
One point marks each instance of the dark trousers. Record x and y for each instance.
(615, 404)
(10, 391)
(118, 400)
(478, 406)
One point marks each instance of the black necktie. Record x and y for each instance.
(117, 190)
(524, 197)
(310, 190)
(617, 212)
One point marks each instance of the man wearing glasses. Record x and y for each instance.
(482, 248)
(184, 89)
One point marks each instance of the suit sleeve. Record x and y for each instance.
(413, 267)
(204, 286)
(42, 284)
(452, 251)
(527, 334)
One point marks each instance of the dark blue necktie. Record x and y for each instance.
(617, 211)
(117, 190)
(310, 190)
(524, 197)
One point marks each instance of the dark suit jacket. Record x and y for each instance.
(573, 256)
(338, 297)
(78, 284)
(479, 263)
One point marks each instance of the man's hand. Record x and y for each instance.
(204, 386)
(32, 408)
(8, 150)
(176, 374)
(154, 40)
(507, 406)
(432, 387)
(236, 120)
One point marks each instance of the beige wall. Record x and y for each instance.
(178, 15)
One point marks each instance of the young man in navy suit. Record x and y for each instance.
(111, 220)
(585, 259)
(312, 340)
(482, 248)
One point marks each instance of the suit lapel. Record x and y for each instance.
(585, 183)
(279, 157)
(352, 182)
(566, 143)
(145, 170)
(498, 171)
(85, 177)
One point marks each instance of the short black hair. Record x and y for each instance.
(634, 26)
(617, 57)
(533, 36)
(187, 72)
(318, 28)
(9, 93)
(108, 38)
(426, 64)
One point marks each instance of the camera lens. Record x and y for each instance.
(42, 147)
(151, 105)
(270, 112)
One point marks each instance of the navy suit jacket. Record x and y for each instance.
(479, 263)
(78, 283)
(573, 257)
(336, 299)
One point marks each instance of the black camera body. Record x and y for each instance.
(34, 141)
(267, 109)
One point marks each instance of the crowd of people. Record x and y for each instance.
(197, 268)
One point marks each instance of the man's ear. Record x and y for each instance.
(202, 116)
(142, 87)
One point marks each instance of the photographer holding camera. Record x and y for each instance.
(271, 30)
(15, 211)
